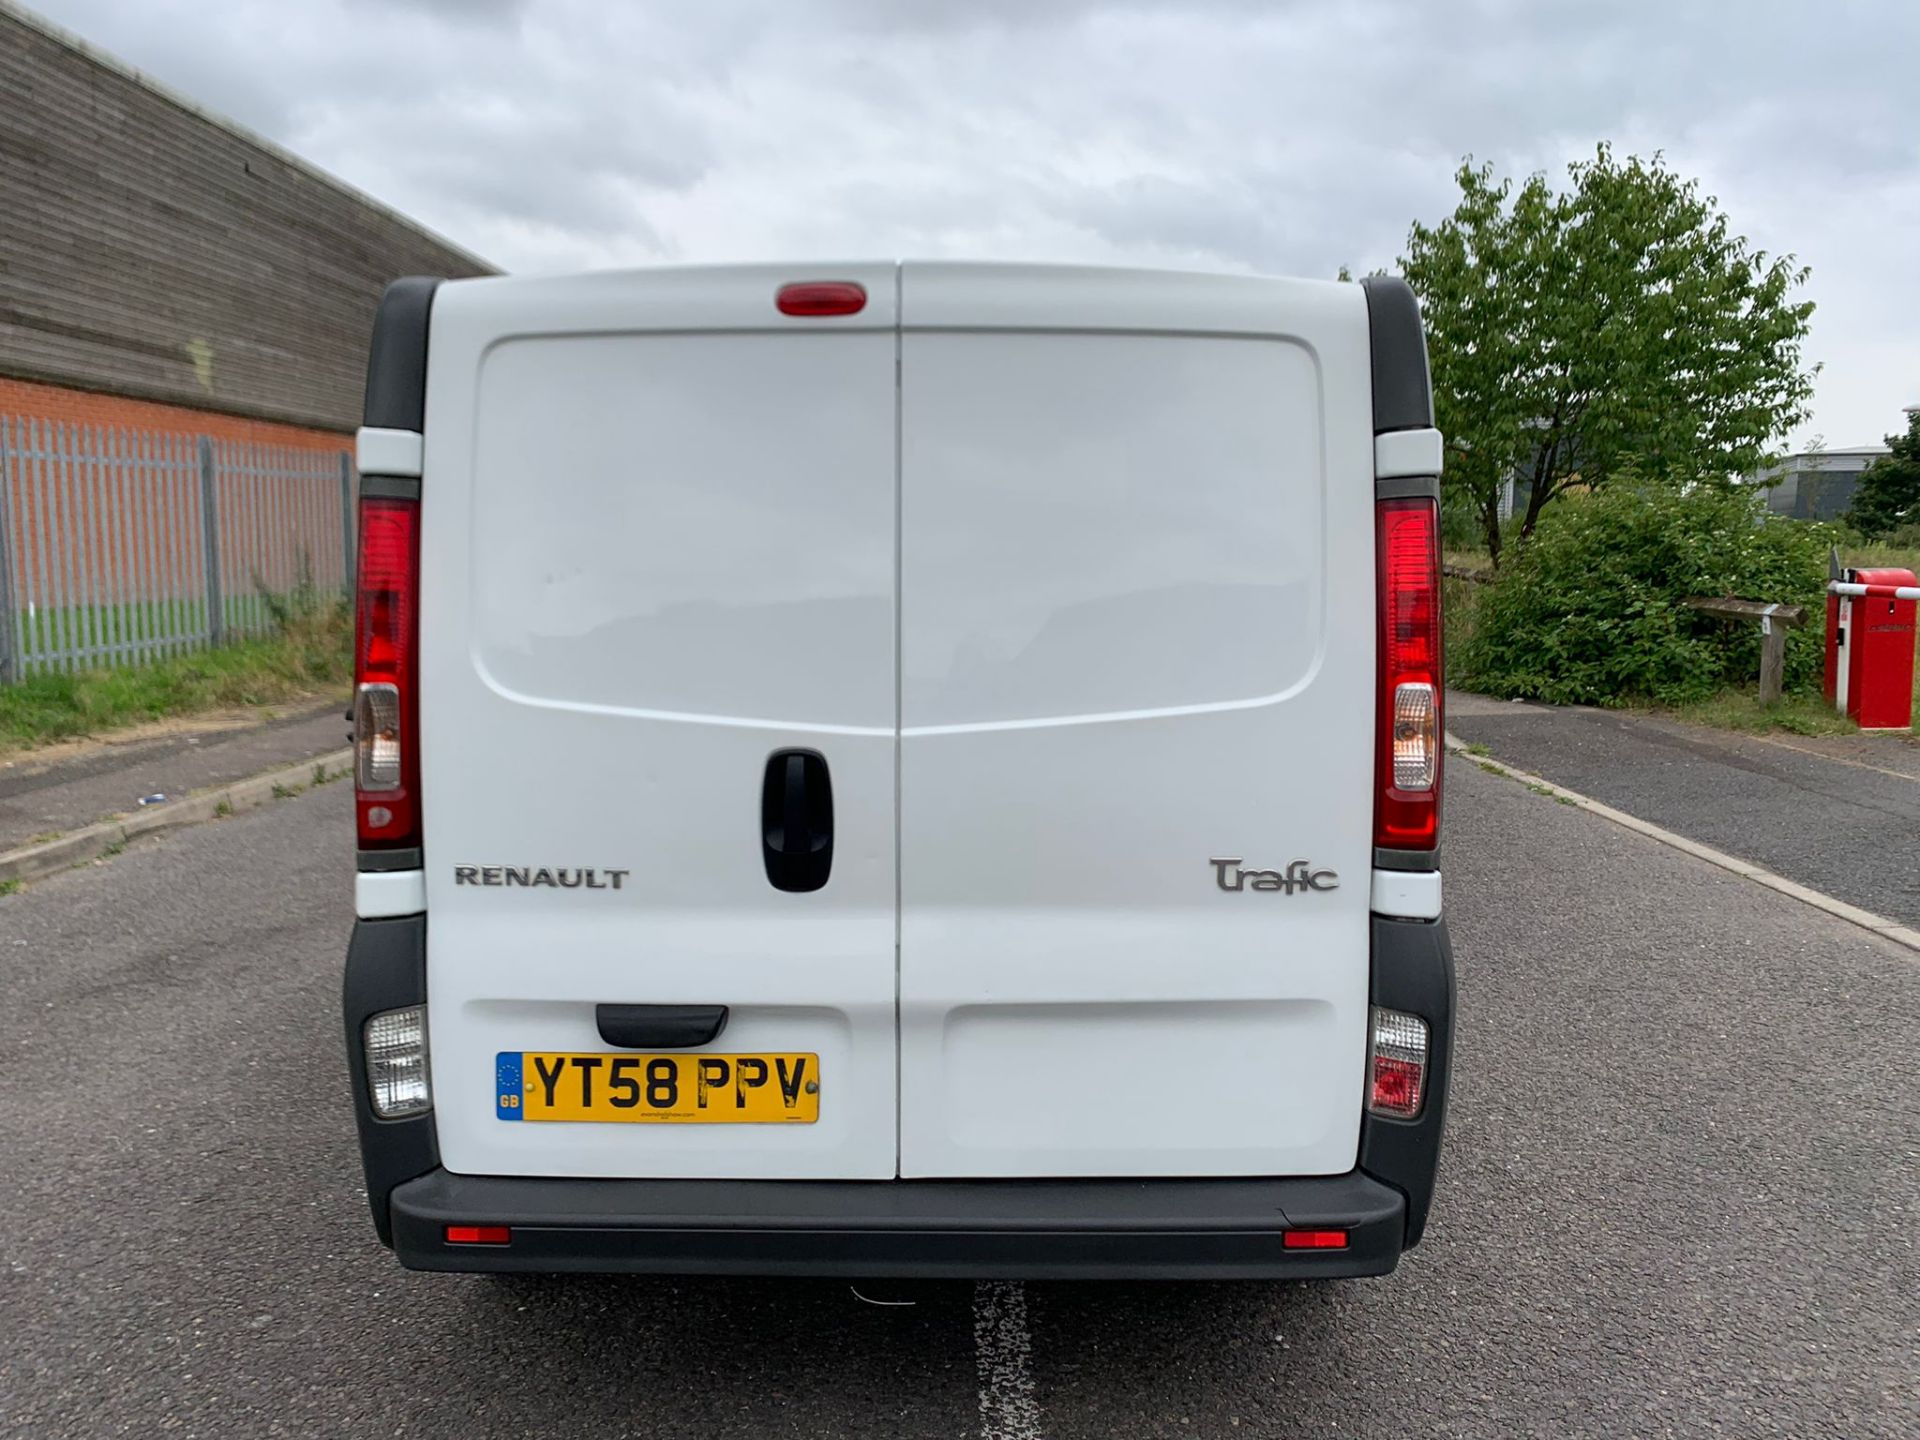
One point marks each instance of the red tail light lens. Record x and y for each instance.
(1407, 708)
(386, 730)
(822, 297)
(1397, 1064)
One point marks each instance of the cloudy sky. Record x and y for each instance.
(1288, 136)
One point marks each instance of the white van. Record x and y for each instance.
(907, 769)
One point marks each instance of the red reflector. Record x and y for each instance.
(479, 1234)
(822, 297)
(1314, 1239)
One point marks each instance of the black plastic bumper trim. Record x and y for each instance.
(386, 970)
(1413, 971)
(1004, 1229)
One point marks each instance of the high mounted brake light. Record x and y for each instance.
(386, 729)
(1407, 708)
(821, 297)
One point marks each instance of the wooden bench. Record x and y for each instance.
(1775, 621)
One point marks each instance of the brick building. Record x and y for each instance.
(161, 267)
(184, 318)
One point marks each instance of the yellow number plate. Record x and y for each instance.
(697, 1089)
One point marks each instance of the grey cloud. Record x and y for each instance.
(1283, 135)
(462, 12)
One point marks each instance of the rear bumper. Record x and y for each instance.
(1166, 1228)
(1032, 1229)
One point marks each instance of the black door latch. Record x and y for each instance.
(796, 820)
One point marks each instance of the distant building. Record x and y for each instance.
(1817, 484)
(161, 267)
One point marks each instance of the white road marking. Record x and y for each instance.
(1886, 929)
(1003, 1351)
(1836, 759)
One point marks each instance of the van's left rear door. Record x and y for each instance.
(657, 549)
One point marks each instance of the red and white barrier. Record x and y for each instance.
(1870, 635)
(1884, 592)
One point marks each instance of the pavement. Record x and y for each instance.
(1680, 1197)
(62, 788)
(1840, 814)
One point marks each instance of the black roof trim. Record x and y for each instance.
(1402, 392)
(397, 359)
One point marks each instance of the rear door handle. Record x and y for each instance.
(796, 820)
(659, 1027)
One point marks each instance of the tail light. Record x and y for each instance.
(1407, 713)
(386, 729)
(1397, 1064)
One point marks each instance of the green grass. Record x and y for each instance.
(1871, 556)
(309, 652)
(1741, 710)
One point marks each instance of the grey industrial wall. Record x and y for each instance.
(147, 249)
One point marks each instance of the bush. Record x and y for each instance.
(1588, 610)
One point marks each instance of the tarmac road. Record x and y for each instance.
(1837, 813)
(1680, 1198)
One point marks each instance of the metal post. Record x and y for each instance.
(9, 658)
(346, 517)
(210, 522)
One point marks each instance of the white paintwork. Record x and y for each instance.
(1843, 654)
(1124, 500)
(379, 894)
(1407, 452)
(387, 452)
(1407, 894)
(1123, 552)
(649, 559)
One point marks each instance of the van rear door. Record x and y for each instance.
(1137, 662)
(657, 550)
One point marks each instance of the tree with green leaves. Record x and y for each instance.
(1617, 324)
(1888, 496)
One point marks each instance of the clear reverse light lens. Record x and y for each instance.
(1416, 736)
(1397, 1064)
(396, 1042)
(376, 736)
